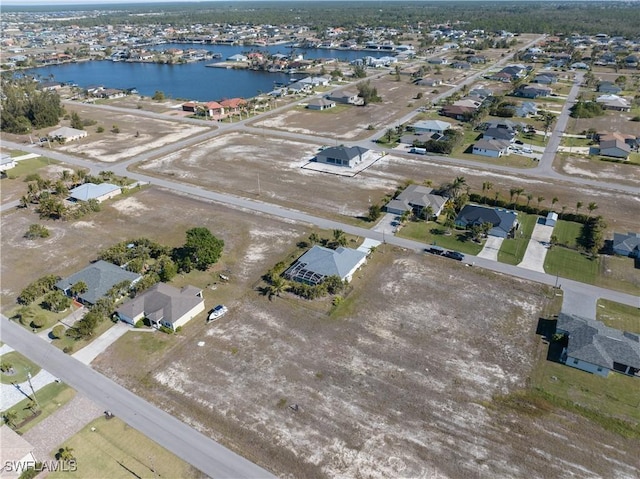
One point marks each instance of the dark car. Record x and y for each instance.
(454, 255)
(434, 250)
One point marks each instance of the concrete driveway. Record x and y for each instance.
(536, 252)
(491, 248)
(388, 224)
(102, 342)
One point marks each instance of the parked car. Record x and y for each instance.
(217, 312)
(526, 149)
(454, 255)
(435, 250)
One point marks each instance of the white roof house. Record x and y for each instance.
(319, 263)
(67, 133)
(431, 126)
(91, 191)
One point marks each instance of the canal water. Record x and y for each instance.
(189, 81)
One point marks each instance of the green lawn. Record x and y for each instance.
(115, 450)
(50, 398)
(513, 249)
(27, 167)
(21, 366)
(77, 344)
(571, 264)
(606, 401)
(49, 317)
(434, 233)
(567, 233)
(532, 139)
(619, 316)
(580, 142)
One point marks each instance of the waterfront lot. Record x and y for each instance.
(136, 134)
(399, 380)
(351, 122)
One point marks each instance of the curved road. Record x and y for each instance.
(185, 442)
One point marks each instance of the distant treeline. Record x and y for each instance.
(611, 17)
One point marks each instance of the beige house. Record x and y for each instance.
(67, 134)
(163, 305)
(16, 454)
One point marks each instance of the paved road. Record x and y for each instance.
(185, 442)
(546, 162)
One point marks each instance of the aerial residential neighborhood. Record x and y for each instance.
(320, 240)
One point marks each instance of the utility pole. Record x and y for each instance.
(259, 184)
(32, 390)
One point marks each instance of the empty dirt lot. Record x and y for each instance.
(245, 165)
(398, 383)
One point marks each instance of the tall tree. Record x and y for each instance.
(202, 247)
(592, 207)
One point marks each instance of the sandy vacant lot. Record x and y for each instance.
(235, 162)
(137, 134)
(398, 384)
(601, 170)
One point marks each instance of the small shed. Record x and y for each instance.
(551, 219)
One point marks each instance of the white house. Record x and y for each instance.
(491, 148)
(431, 126)
(7, 162)
(67, 134)
(91, 191)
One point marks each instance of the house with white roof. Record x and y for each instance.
(91, 191)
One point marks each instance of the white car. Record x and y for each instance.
(217, 312)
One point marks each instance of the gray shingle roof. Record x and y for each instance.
(502, 220)
(344, 153)
(163, 302)
(626, 242)
(593, 342)
(99, 277)
(418, 196)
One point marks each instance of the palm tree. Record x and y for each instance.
(578, 206)
(427, 212)
(554, 200)
(529, 198)
(314, 238)
(10, 418)
(540, 200)
(516, 192)
(339, 238)
(486, 186)
(65, 453)
(24, 201)
(592, 207)
(457, 185)
(278, 285)
(563, 209)
(405, 216)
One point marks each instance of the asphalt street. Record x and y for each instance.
(193, 447)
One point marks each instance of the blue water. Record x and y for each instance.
(190, 81)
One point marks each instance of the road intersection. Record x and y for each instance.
(195, 448)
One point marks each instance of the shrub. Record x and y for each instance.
(58, 331)
(67, 349)
(164, 329)
(636, 118)
(100, 129)
(37, 231)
